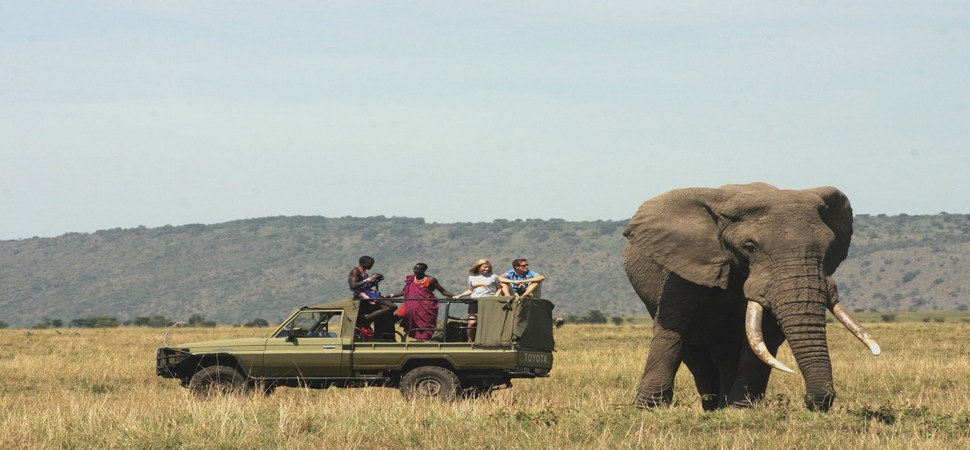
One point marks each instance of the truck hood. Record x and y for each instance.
(225, 345)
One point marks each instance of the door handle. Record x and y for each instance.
(328, 347)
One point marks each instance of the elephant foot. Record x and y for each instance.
(654, 400)
(743, 404)
(710, 402)
(650, 403)
(745, 401)
(820, 403)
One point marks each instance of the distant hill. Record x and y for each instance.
(263, 268)
(908, 263)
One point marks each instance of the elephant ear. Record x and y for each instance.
(679, 231)
(837, 215)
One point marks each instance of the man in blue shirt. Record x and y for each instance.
(522, 281)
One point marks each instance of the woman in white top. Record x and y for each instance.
(481, 283)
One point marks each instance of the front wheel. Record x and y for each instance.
(217, 380)
(434, 382)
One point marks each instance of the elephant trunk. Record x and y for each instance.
(804, 327)
(799, 302)
(810, 347)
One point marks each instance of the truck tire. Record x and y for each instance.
(434, 382)
(217, 380)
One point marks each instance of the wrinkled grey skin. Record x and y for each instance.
(696, 256)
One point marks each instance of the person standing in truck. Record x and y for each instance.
(481, 283)
(420, 315)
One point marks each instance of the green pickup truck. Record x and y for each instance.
(320, 346)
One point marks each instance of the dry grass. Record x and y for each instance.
(97, 388)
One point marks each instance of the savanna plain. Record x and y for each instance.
(97, 388)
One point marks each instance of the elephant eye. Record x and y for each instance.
(750, 247)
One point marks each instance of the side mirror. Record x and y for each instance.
(291, 337)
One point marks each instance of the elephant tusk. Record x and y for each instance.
(842, 314)
(752, 328)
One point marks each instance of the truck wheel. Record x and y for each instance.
(430, 382)
(217, 380)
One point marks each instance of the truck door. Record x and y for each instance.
(308, 347)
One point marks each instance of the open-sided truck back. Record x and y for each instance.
(319, 346)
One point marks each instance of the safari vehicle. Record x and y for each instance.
(320, 346)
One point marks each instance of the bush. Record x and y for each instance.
(47, 322)
(616, 320)
(96, 322)
(153, 321)
(888, 317)
(4, 325)
(257, 323)
(594, 316)
(197, 320)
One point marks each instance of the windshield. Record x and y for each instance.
(313, 324)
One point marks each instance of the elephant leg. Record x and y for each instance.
(729, 331)
(753, 374)
(676, 306)
(712, 356)
(702, 365)
(657, 383)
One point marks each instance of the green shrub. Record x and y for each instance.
(257, 323)
(96, 322)
(594, 316)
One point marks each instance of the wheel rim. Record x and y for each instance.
(224, 387)
(219, 387)
(428, 387)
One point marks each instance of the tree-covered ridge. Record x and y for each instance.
(235, 271)
(908, 263)
(263, 268)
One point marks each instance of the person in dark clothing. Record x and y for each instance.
(374, 309)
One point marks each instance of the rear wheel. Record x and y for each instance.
(217, 380)
(434, 382)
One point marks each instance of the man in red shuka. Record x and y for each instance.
(420, 313)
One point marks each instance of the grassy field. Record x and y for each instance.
(74, 388)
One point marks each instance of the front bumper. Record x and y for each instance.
(168, 359)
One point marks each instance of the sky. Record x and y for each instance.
(119, 114)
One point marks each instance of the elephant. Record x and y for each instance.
(728, 274)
